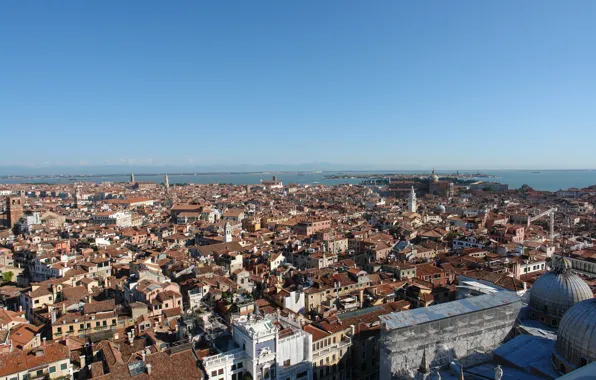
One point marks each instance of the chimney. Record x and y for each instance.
(53, 316)
(148, 369)
(143, 355)
(44, 340)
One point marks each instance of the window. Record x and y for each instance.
(59, 330)
(81, 326)
(63, 366)
(96, 324)
(52, 369)
(239, 365)
(105, 323)
(220, 372)
(71, 328)
(233, 367)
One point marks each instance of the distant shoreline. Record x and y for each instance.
(282, 172)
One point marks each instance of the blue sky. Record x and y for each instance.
(392, 84)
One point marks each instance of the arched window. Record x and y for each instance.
(583, 362)
(562, 368)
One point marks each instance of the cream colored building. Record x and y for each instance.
(47, 361)
(330, 354)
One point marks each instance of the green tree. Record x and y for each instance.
(7, 276)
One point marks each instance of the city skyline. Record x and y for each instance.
(86, 170)
(466, 84)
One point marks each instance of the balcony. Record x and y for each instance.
(345, 342)
(227, 357)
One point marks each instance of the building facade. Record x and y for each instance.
(445, 331)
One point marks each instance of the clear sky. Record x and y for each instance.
(395, 84)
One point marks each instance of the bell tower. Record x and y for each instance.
(14, 210)
(77, 197)
(412, 206)
(228, 233)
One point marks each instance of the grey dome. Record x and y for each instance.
(576, 342)
(441, 209)
(557, 291)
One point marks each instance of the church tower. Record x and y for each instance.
(424, 368)
(132, 177)
(412, 207)
(14, 210)
(166, 182)
(77, 197)
(228, 233)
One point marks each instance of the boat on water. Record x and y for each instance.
(315, 182)
(536, 172)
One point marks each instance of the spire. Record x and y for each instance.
(461, 372)
(132, 177)
(424, 368)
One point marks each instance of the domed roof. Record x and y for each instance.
(557, 291)
(576, 341)
(433, 177)
(441, 209)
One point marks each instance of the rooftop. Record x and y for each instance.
(446, 310)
